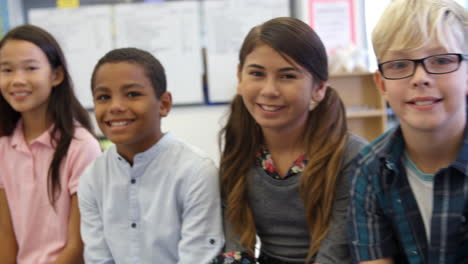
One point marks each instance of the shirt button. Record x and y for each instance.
(119, 158)
(212, 241)
(388, 165)
(414, 252)
(133, 225)
(398, 200)
(133, 181)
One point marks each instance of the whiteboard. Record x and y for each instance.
(226, 25)
(84, 34)
(171, 32)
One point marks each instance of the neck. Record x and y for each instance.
(432, 151)
(34, 124)
(130, 150)
(284, 147)
(284, 141)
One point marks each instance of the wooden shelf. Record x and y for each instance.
(366, 108)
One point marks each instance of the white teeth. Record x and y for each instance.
(117, 124)
(270, 108)
(21, 94)
(424, 102)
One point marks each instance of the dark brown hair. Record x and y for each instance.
(64, 108)
(324, 136)
(152, 67)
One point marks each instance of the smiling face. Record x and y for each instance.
(26, 77)
(276, 91)
(427, 102)
(126, 107)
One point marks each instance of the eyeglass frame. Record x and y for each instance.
(461, 57)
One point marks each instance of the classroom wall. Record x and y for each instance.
(198, 125)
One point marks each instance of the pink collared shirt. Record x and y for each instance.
(41, 231)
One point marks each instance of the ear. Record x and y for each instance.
(165, 104)
(379, 81)
(319, 91)
(57, 76)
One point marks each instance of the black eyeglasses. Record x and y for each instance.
(435, 64)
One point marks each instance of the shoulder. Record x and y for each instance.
(84, 142)
(367, 166)
(385, 145)
(353, 146)
(81, 134)
(183, 152)
(98, 168)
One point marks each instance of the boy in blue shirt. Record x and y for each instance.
(409, 194)
(150, 198)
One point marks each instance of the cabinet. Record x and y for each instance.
(366, 110)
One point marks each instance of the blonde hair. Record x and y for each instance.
(408, 25)
(325, 136)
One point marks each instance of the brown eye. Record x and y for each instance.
(133, 94)
(102, 97)
(256, 73)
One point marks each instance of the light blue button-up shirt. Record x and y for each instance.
(163, 209)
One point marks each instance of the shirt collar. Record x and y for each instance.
(393, 148)
(461, 163)
(149, 154)
(18, 137)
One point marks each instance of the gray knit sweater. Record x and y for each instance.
(280, 216)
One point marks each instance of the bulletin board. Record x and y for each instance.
(226, 25)
(86, 32)
(174, 38)
(174, 31)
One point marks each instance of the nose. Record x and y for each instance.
(18, 78)
(270, 88)
(420, 78)
(117, 105)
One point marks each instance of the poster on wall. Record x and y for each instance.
(226, 23)
(171, 32)
(84, 34)
(334, 22)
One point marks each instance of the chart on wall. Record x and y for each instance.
(334, 22)
(85, 35)
(171, 32)
(226, 25)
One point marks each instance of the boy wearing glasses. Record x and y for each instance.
(409, 196)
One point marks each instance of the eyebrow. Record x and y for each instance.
(22, 62)
(285, 69)
(100, 89)
(406, 55)
(123, 87)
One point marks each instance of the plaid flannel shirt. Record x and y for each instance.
(384, 218)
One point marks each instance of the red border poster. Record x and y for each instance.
(334, 22)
